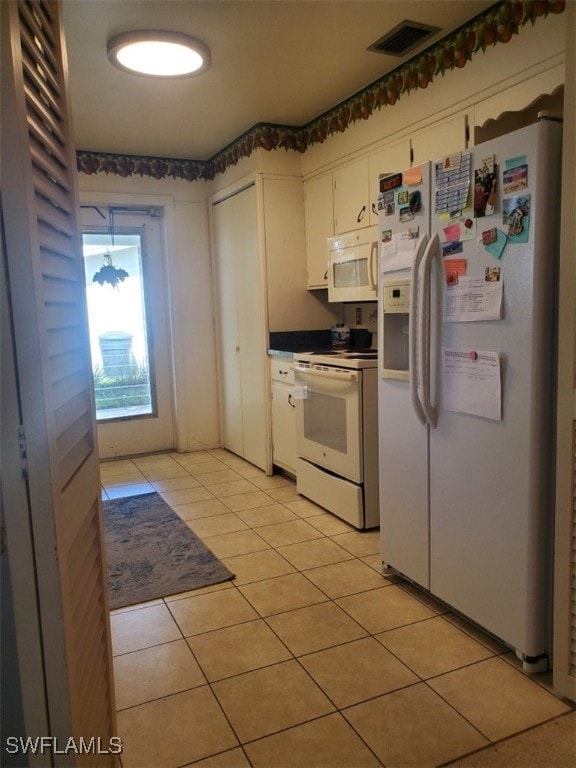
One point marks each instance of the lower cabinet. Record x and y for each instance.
(283, 414)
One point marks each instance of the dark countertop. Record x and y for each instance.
(286, 343)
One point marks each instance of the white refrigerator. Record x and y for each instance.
(468, 250)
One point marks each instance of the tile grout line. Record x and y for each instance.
(354, 557)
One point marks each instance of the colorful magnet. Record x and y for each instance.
(496, 248)
(492, 274)
(452, 247)
(489, 236)
(516, 218)
(390, 182)
(485, 183)
(414, 201)
(514, 179)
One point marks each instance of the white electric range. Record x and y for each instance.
(336, 397)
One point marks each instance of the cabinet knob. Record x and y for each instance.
(361, 214)
(326, 275)
(290, 400)
(374, 209)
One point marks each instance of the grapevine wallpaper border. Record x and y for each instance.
(496, 25)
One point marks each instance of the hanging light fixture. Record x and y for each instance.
(108, 273)
(158, 53)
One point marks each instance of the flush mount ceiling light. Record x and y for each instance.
(157, 53)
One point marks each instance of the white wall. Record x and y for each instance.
(189, 281)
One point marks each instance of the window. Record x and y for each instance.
(119, 344)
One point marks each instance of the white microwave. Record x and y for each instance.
(353, 265)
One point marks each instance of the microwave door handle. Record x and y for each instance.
(424, 310)
(373, 264)
(413, 332)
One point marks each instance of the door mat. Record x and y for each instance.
(152, 553)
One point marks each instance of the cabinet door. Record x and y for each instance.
(447, 136)
(351, 197)
(319, 221)
(390, 159)
(284, 426)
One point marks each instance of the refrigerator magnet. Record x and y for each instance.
(485, 183)
(452, 247)
(515, 174)
(454, 269)
(496, 247)
(414, 201)
(451, 278)
(390, 182)
(388, 205)
(489, 236)
(516, 218)
(515, 179)
(402, 197)
(492, 274)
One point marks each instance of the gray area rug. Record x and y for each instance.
(152, 553)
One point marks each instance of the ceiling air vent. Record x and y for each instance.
(403, 38)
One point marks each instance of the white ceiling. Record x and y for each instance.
(273, 61)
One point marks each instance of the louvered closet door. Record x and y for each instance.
(46, 283)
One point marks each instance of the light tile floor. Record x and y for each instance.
(310, 657)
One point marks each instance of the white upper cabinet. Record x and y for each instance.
(346, 199)
(351, 196)
(319, 221)
(449, 135)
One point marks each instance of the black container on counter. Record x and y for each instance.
(360, 338)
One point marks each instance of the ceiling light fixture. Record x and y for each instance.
(157, 53)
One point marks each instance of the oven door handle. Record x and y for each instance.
(327, 374)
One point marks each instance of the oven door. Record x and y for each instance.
(329, 418)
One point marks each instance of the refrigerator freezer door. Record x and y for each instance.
(403, 434)
(490, 481)
(404, 534)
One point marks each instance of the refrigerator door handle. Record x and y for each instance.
(413, 332)
(424, 329)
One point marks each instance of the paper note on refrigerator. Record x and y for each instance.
(473, 299)
(397, 250)
(472, 382)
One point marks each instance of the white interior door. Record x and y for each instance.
(224, 216)
(241, 326)
(129, 330)
(54, 493)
